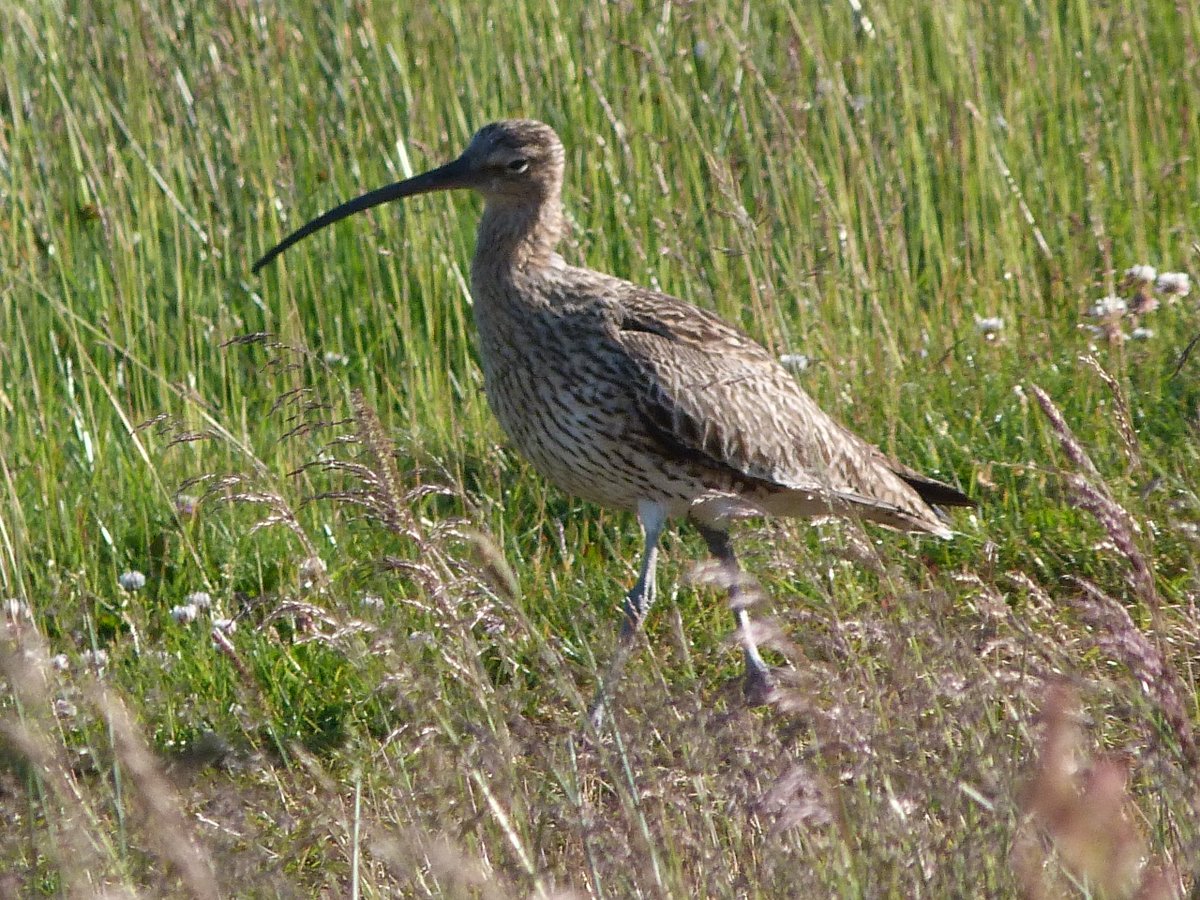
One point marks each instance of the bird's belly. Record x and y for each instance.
(584, 436)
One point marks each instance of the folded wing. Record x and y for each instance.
(712, 393)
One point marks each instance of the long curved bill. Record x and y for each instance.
(455, 174)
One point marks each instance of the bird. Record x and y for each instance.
(636, 400)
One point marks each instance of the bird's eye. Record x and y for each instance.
(518, 166)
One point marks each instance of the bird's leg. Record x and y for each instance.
(637, 603)
(759, 683)
(643, 594)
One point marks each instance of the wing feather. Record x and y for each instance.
(713, 392)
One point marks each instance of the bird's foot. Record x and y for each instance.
(759, 687)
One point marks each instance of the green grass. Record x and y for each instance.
(858, 196)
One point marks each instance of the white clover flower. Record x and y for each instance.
(1143, 303)
(373, 601)
(225, 626)
(1176, 283)
(795, 362)
(132, 581)
(199, 599)
(1141, 274)
(1108, 308)
(95, 659)
(60, 663)
(989, 325)
(1141, 334)
(186, 614)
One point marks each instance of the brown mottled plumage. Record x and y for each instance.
(635, 399)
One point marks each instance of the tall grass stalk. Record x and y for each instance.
(385, 695)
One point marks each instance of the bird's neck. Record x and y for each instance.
(517, 237)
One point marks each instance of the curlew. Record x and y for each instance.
(637, 400)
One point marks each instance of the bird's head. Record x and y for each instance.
(515, 160)
(511, 162)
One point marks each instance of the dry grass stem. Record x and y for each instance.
(1080, 827)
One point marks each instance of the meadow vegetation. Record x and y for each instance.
(359, 655)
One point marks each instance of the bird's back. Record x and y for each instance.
(620, 394)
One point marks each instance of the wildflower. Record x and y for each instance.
(989, 326)
(1143, 302)
(1141, 334)
(186, 614)
(95, 659)
(224, 626)
(336, 359)
(199, 599)
(1178, 284)
(132, 581)
(1110, 331)
(186, 505)
(60, 663)
(796, 362)
(1108, 308)
(1140, 275)
(64, 709)
(373, 601)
